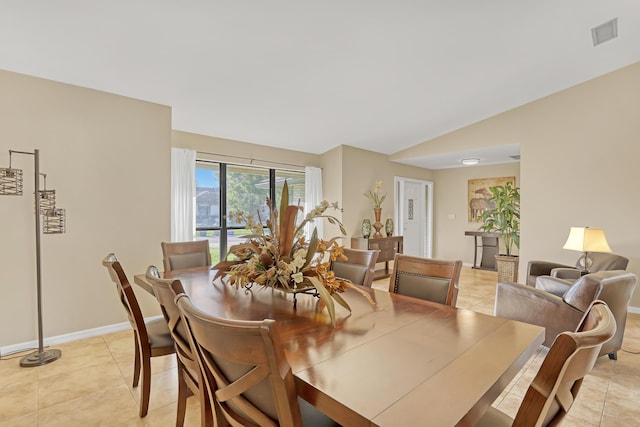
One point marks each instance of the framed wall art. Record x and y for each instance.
(479, 194)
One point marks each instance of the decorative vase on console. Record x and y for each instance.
(388, 227)
(366, 228)
(377, 225)
(377, 198)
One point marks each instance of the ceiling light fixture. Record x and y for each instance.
(470, 161)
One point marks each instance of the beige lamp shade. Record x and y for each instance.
(587, 239)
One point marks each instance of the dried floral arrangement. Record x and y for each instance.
(375, 196)
(279, 255)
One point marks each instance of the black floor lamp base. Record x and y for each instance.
(39, 358)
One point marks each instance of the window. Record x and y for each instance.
(222, 187)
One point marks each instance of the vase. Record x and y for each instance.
(377, 225)
(366, 228)
(388, 227)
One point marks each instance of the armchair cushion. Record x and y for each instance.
(552, 285)
(572, 274)
(585, 291)
(541, 268)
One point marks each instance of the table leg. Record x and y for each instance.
(475, 252)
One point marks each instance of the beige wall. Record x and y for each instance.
(450, 195)
(579, 167)
(360, 169)
(108, 158)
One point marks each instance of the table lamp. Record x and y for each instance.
(585, 240)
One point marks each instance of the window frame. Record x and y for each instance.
(224, 227)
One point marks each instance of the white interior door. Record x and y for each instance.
(413, 215)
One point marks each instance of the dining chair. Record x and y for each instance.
(359, 268)
(248, 379)
(151, 338)
(426, 278)
(557, 383)
(189, 376)
(185, 255)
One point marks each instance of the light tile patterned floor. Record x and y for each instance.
(91, 384)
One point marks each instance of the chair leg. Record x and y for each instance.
(206, 414)
(183, 393)
(209, 416)
(136, 363)
(145, 390)
(613, 355)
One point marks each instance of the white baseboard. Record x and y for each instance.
(73, 336)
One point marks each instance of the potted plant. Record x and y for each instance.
(503, 217)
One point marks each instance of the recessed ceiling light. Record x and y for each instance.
(470, 161)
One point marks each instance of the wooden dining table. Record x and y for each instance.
(404, 362)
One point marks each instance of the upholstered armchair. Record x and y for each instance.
(563, 313)
(600, 261)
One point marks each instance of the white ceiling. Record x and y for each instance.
(310, 75)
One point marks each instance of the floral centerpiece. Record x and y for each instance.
(279, 256)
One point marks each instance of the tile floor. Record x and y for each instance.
(90, 384)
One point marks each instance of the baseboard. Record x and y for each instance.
(73, 336)
(634, 310)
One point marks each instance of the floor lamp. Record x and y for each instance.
(54, 223)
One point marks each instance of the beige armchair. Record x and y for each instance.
(600, 261)
(563, 313)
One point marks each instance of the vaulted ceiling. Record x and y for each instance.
(375, 74)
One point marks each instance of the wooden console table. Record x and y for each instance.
(388, 247)
(489, 247)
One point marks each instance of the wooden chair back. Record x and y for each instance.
(151, 338)
(570, 358)
(185, 255)
(189, 374)
(359, 268)
(247, 376)
(426, 278)
(171, 313)
(127, 297)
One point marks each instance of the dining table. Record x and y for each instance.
(400, 362)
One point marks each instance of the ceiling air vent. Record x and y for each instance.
(516, 157)
(605, 32)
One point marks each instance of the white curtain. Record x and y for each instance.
(312, 197)
(183, 194)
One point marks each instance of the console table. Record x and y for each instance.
(489, 249)
(388, 247)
